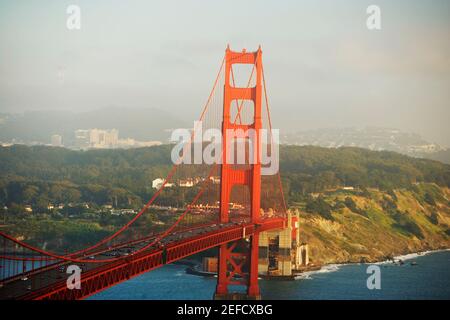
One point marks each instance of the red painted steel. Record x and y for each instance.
(238, 244)
(230, 262)
(110, 274)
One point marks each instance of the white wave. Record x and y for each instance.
(417, 254)
(382, 262)
(325, 269)
(335, 267)
(410, 256)
(303, 276)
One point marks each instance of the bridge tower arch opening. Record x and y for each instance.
(231, 260)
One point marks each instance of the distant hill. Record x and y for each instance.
(303, 170)
(392, 204)
(442, 156)
(372, 138)
(345, 226)
(314, 169)
(141, 124)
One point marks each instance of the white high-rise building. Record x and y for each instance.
(82, 138)
(107, 138)
(97, 138)
(112, 137)
(56, 140)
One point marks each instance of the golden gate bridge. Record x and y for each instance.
(141, 245)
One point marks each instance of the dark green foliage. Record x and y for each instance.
(351, 205)
(428, 194)
(405, 224)
(39, 175)
(392, 194)
(74, 211)
(388, 204)
(320, 206)
(433, 218)
(42, 175)
(429, 199)
(339, 205)
(313, 169)
(365, 193)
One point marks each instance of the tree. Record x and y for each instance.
(319, 206)
(428, 198)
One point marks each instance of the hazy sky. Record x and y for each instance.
(323, 66)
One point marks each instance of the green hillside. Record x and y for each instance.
(349, 226)
(34, 174)
(396, 204)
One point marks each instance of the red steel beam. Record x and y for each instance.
(105, 276)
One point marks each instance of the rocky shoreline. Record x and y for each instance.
(194, 267)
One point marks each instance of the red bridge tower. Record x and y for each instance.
(234, 256)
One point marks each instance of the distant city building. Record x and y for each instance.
(115, 212)
(7, 144)
(105, 139)
(131, 143)
(56, 140)
(188, 183)
(185, 183)
(372, 138)
(82, 139)
(119, 212)
(158, 182)
(96, 138)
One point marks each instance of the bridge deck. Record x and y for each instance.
(50, 283)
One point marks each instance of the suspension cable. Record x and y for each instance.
(270, 127)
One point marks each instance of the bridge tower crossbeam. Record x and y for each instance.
(231, 259)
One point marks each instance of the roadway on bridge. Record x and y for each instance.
(23, 285)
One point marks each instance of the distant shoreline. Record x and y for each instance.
(193, 266)
(414, 255)
(332, 267)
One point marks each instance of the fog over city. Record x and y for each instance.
(132, 54)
